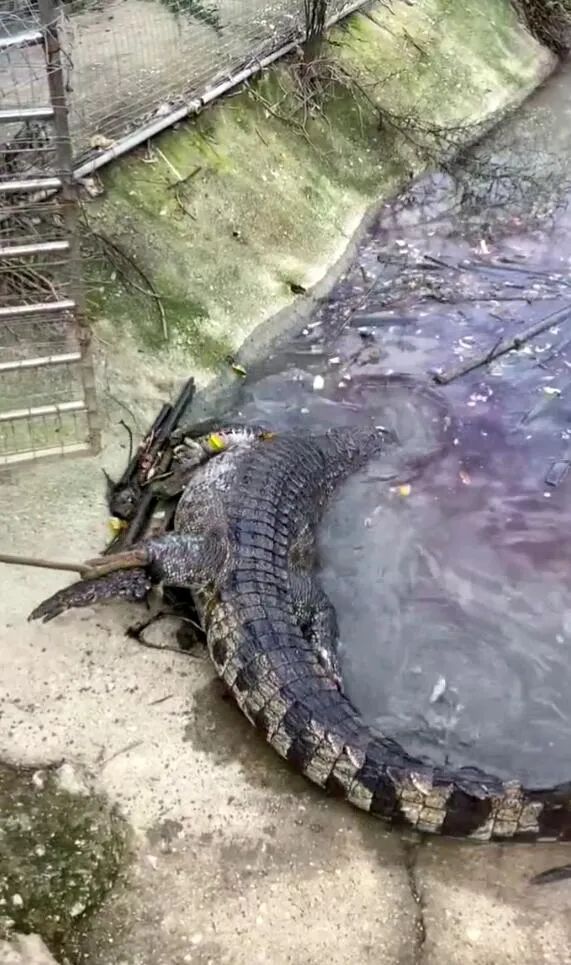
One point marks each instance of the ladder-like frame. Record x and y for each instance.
(69, 307)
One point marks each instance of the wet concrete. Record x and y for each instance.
(448, 593)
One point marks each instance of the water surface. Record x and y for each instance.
(449, 560)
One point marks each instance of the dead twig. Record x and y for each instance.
(504, 345)
(181, 181)
(111, 246)
(122, 750)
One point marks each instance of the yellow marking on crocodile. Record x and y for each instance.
(116, 525)
(216, 442)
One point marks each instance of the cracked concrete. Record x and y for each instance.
(237, 859)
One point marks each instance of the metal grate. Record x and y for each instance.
(47, 397)
(133, 67)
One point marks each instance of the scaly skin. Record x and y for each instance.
(244, 542)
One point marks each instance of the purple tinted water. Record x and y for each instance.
(451, 575)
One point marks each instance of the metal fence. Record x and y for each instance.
(82, 81)
(47, 397)
(133, 65)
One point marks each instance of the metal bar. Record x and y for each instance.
(15, 114)
(28, 38)
(70, 449)
(143, 134)
(40, 362)
(36, 248)
(39, 308)
(35, 411)
(70, 205)
(31, 184)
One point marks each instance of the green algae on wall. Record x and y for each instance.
(214, 223)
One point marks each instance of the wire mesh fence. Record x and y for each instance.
(77, 79)
(129, 62)
(47, 404)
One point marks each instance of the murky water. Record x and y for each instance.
(449, 562)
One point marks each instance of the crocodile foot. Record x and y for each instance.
(133, 585)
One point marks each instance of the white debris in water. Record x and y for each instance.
(304, 411)
(547, 495)
(335, 360)
(551, 390)
(318, 383)
(438, 690)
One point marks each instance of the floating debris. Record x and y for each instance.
(557, 472)
(438, 690)
(403, 490)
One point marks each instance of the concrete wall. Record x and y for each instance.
(273, 188)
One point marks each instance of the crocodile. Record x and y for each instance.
(244, 542)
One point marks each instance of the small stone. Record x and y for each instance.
(69, 779)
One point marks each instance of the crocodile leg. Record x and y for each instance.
(317, 620)
(176, 559)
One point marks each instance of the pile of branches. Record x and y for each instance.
(549, 21)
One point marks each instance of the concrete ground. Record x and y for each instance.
(236, 859)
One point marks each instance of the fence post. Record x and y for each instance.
(69, 194)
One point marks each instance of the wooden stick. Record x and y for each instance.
(45, 564)
(506, 345)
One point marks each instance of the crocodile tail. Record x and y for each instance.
(317, 729)
(464, 802)
(553, 807)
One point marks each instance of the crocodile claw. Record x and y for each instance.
(133, 585)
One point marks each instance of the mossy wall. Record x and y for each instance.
(214, 223)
